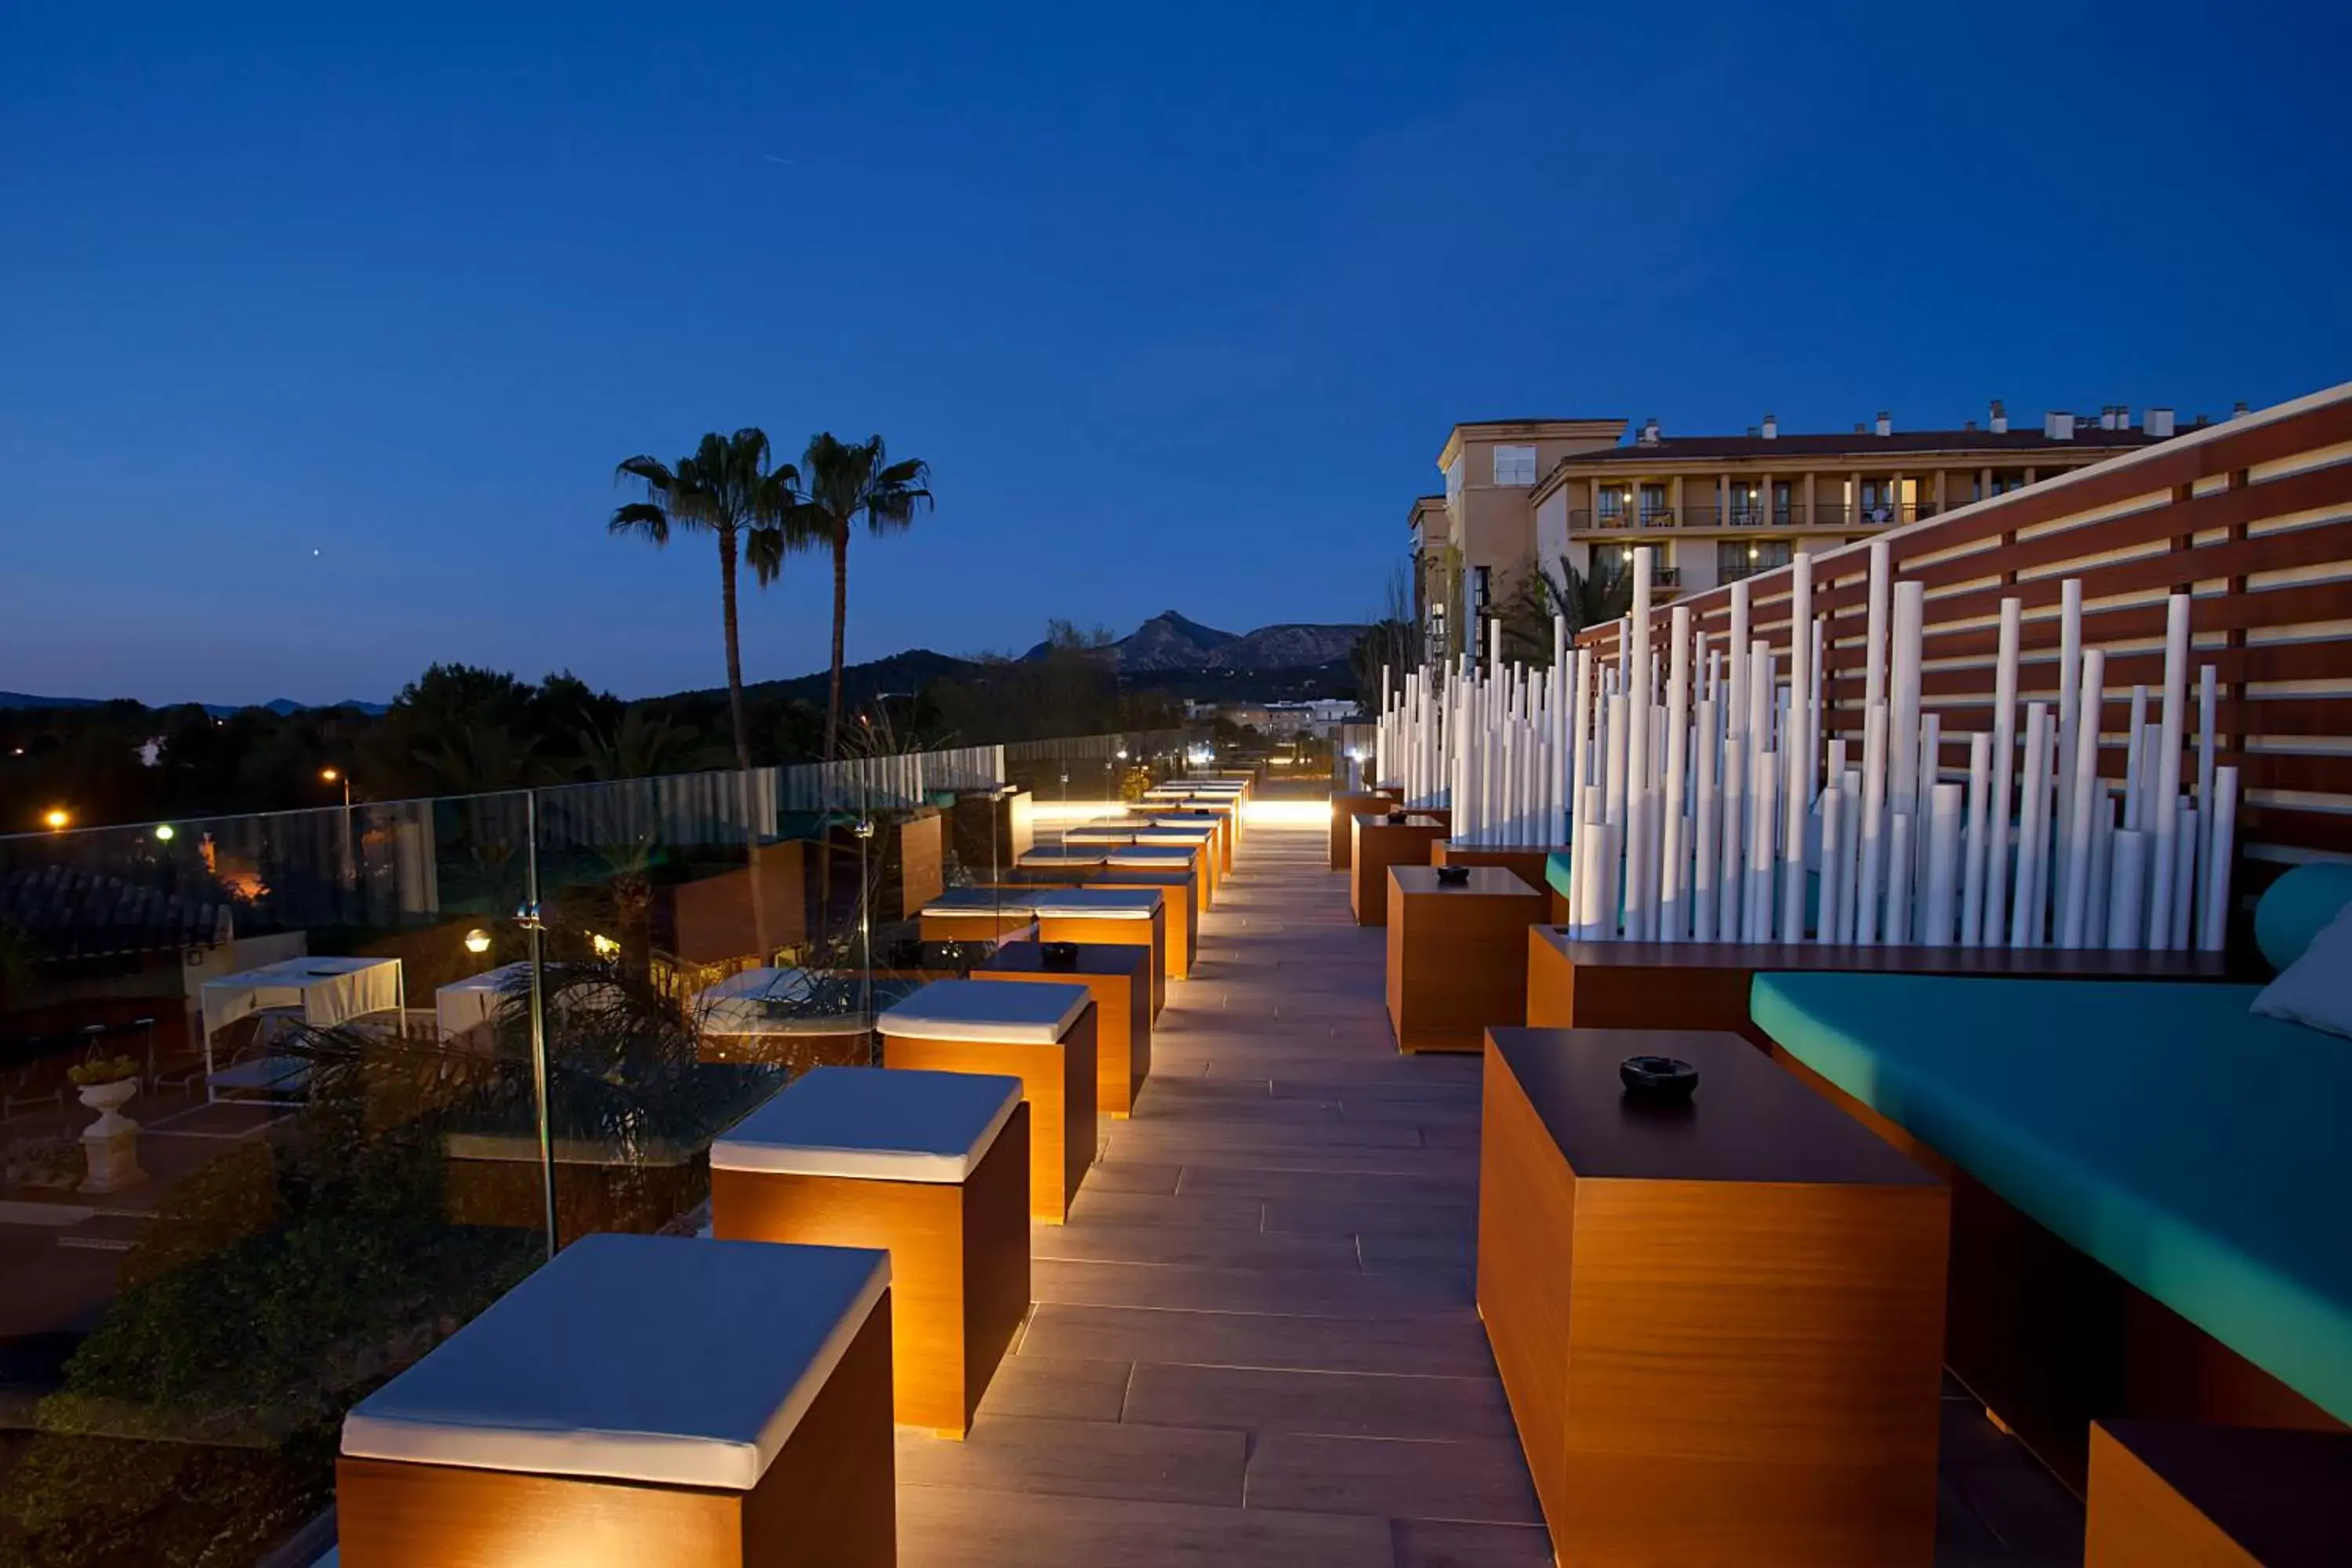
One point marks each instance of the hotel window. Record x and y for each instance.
(1783, 501)
(1735, 558)
(1611, 500)
(1453, 482)
(1612, 561)
(1514, 466)
(1485, 581)
(1654, 503)
(1747, 505)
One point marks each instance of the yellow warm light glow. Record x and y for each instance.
(330, 775)
(55, 816)
(1288, 812)
(165, 832)
(603, 946)
(477, 940)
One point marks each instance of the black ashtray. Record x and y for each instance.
(1396, 819)
(1059, 955)
(1457, 877)
(1658, 1077)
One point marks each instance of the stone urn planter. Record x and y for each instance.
(110, 1145)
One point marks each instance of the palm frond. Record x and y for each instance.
(641, 517)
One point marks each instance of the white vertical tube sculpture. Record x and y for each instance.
(2166, 783)
(1759, 920)
(2131, 873)
(1833, 867)
(1761, 829)
(2209, 711)
(2184, 882)
(1704, 870)
(1868, 888)
(1898, 878)
(2073, 899)
(1795, 795)
(2004, 762)
(1673, 912)
(2134, 762)
(2070, 673)
(1738, 765)
(1943, 862)
(1641, 890)
(2028, 827)
(2215, 916)
(1849, 854)
(1973, 852)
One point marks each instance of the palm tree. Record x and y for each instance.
(726, 489)
(840, 483)
(1588, 599)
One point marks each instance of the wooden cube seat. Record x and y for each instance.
(1121, 980)
(1193, 857)
(1218, 823)
(933, 1168)
(1111, 830)
(640, 1399)
(1043, 1035)
(1211, 863)
(1186, 902)
(1135, 916)
(976, 914)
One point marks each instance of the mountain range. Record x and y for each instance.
(1168, 650)
(1169, 643)
(279, 705)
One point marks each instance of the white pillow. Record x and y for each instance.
(2316, 989)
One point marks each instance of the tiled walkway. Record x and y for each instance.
(1255, 1343)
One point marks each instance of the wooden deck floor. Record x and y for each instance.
(1255, 1343)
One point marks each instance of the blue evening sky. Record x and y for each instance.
(322, 326)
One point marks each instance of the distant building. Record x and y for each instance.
(1321, 717)
(1534, 492)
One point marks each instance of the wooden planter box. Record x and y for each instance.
(1574, 984)
(1457, 957)
(1378, 844)
(1720, 1324)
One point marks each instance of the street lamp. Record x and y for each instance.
(477, 941)
(336, 775)
(57, 818)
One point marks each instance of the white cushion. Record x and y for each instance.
(980, 901)
(1067, 855)
(654, 1359)
(1175, 856)
(2316, 991)
(989, 1011)
(1176, 835)
(887, 1125)
(1098, 903)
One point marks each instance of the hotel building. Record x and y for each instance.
(1526, 492)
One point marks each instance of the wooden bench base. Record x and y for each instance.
(959, 1262)
(1057, 1084)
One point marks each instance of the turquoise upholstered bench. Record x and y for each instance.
(2196, 1150)
(1559, 876)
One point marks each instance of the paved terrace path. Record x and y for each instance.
(1254, 1342)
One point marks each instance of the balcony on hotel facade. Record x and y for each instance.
(1792, 515)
